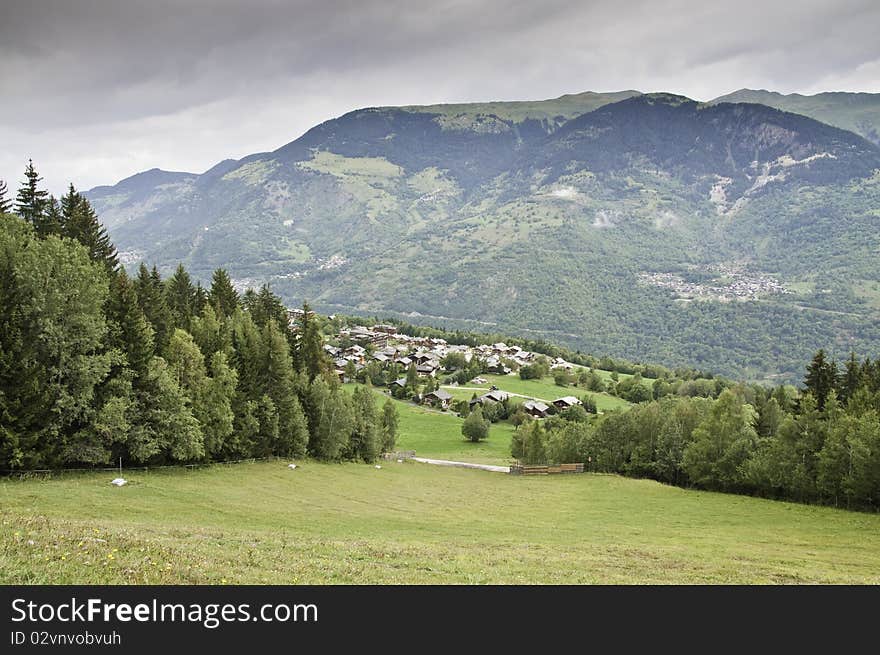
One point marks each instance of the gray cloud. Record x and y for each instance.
(95, 90)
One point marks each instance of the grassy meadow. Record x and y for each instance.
(415, 523)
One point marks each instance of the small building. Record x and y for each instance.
(400, 382)
(489, 398)
(566, 401)
(535, 408)
(428, 370)
(439, 398)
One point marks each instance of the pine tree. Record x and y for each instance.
(79, 221)
(5, 203)
(31, 201)
(851, 379)
(51, 221)
(309, 355)
(129, 331)
(180, 295)
(821, 378)
(222, 297)
(151, 298)
(279, 384)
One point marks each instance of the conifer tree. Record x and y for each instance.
(79, 221)
(5, 203)
(180, 294)
(51, 221)
(309, 355)
(279, 384)
(851, 379)
(151, 298)
(222, 297)
(821, 378)
(31, 200)
(128, 329)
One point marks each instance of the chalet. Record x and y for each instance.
(491, 397)
(495, 366)
(401, 382)
(385, 329)
(333, 351)
(427, 370)
(439, 398)
(566, 401)
(380, 357)
(422, 358)
(535, 408)
(403, 361)
(340, 362)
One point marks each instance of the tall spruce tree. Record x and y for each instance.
(222, 297)
(30, 203)
(79, 221)
(5, 203)
(309, 356)
(129, 331)
(851, 379)
(151, 298)
(821, 378)
(181, 296)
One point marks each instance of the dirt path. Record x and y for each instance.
(466, 465)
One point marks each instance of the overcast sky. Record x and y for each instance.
(96, 90)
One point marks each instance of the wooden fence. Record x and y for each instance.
(522, 469)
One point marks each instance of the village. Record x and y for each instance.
(383, 347)
(730, 283)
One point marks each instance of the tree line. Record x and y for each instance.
(96, 365)
(821, 445)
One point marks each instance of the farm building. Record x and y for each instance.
(566, 401)
(535, 408)
(491, 397)
(439, 398)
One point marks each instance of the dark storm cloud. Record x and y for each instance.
(98, 89)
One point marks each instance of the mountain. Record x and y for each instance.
(857, 112)
(733, 237)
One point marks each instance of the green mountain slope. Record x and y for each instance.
(857, 112)
(736, 238)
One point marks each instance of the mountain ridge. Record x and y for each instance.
(652, 209)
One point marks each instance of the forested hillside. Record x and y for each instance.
(732, 237)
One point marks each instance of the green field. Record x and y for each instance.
(415, 523)
(436, 434)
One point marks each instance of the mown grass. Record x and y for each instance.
(436, 434)
(415, 523)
